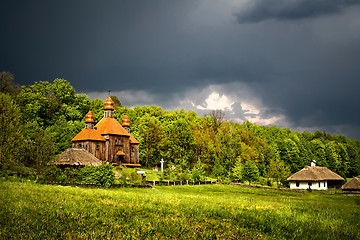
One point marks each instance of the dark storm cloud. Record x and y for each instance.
(176, 54)
(260, 10)
(85, 40)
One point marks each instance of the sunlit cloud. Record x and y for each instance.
(265, 121)
(249, 108)
(215, 101)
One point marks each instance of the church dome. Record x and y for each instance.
(126, 121)
(109, 104)
(89, 117)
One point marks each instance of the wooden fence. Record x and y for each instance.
(174, 183)
(144, 185)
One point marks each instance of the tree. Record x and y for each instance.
(6, 84)
(250, 172)
(33, 101)
(178, 142)
(62, 132)
(217, 117)
(278, 170)
(63, 91)
(11, 136)
(238, 168)
(218, 170)
(39, 148)
(117, 103)
(150, 140)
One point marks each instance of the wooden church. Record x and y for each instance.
(109, 140)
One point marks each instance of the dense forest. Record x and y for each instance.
(38, 121)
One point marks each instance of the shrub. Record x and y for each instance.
(198, 172)
(102, 175)
(135, 178)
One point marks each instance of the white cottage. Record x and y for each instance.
(315, 178)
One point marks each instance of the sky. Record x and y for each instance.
(289, 63)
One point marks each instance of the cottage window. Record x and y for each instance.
(133, 149)
(79, 146)
(310, 184)
(297, 184)
(324, 184)
(319, 184)
(97, 146)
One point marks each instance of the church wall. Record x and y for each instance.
(97, 148)
(117, 143)
(134, 153)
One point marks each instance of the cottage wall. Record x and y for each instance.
(318, 185)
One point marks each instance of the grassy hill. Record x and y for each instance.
(32, 211)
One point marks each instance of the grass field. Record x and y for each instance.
(32, 211)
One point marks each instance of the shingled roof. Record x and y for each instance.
(88, 134)
(109, 125)
(76, 157)
(314, 173)
(353, 184)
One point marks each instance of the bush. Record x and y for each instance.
(183, 176)
(198, 172)
(135, 178)
(161, 179)
(102, 175)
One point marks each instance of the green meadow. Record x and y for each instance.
(34, 211)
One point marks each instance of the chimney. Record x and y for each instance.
(313, 163)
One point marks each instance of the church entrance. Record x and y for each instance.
(120, 155)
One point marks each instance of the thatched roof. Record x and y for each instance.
(314, 173)
(353, 184)
(76, 157)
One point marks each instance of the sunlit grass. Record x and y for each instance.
(30, 211)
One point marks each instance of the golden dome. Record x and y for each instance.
(109, 104)
(126, 121)
(89, 117)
